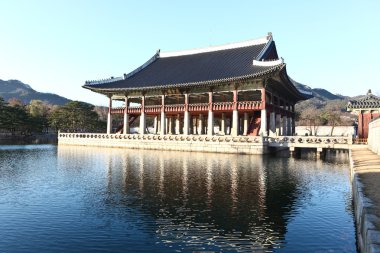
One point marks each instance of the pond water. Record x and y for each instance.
(78, 199)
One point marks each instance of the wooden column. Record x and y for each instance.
(109, 116)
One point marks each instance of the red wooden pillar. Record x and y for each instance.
(360, 125)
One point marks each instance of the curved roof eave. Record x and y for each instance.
(187, 85)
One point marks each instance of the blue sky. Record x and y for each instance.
(55, 46)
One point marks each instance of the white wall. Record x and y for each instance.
(374, 136)
(326, 130)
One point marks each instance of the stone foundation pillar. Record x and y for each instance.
(163, 123)
(171, 125)
(126, 123)
(272, 124)
(186, 121)
(193, 125)
(155, 125)
(126, 118)
(235, 123)
(223, 124)
(284, 126)
(201, 127)
(293, 126)
(245, 124)
(109, 117)
(210, 123)
(263, 127)
(289, 126)
(278, 124)
(142, 123)
(178, 124)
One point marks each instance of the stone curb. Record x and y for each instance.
(365, 216)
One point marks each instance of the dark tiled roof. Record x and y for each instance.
(197, 68)
(366, 102)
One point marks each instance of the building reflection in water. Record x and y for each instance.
(198, 201)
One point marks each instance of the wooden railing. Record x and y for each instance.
(249, 105)
(175, 108)
(134, 109)
(223, 106)
(153, 108)
(198, 107)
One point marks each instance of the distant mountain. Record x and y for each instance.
(19, 90)
(318, 93)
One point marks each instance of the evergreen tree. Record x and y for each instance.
(76, 116)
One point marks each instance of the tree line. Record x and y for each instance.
(75, 116)
(38, 117)
(313, 113)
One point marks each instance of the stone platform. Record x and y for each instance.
(198, 143)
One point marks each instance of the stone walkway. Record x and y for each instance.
(365, 170)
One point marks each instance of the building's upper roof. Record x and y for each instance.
(368, 101)
(204, 66)
(196, 66)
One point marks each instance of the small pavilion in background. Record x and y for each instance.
(243, 87)
(367, 108)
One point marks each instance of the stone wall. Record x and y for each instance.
(374, 136)
(216, 144)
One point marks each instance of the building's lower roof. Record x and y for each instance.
(368, 101)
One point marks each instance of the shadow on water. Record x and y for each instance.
(28, 140)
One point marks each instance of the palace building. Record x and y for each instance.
(235, 89)
(367, 108)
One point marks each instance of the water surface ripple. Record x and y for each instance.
(76, 199)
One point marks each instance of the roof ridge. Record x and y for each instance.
(247, 43)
